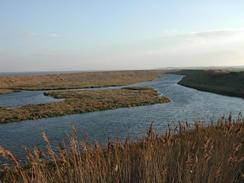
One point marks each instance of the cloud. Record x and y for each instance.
(219, 33)
(34, 34)
(55, 35)
(208, 48)
(47, 35)
(218, 47)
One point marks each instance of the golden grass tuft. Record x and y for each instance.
(187, 154)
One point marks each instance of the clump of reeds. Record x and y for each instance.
(187, 154)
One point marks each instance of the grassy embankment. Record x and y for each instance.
(82, 101)
(221, 82)
(74, 80)
(213, 154)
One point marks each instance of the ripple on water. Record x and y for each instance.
(21, 98)
(187, 104)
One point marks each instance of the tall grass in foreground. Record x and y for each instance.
(197, 154)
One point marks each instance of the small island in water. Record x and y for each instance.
(188, 153)
(130, 91)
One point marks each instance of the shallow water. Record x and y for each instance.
(187, 104)
(17, 99)
(22, 98)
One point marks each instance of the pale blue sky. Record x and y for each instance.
(130, 34)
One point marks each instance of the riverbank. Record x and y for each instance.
(212, 154)
(75, 80)
(220, 82)
(81, 101)
(4, 91)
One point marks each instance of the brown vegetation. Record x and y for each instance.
(75, 80)
(191, 155)
(217, 81)
(82, 101)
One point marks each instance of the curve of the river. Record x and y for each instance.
(187, 104)
(22, 98)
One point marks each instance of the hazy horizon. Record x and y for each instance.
(240, 67)
(108, 35)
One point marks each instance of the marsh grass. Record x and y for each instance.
(75, 102)
(187, 154)
(221, 82)
(75, 80)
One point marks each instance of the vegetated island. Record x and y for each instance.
(218, 81)
(195, 154)
(75, 80)
(81, 101)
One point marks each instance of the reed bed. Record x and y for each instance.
(187, 154)
(218, 81)
(76, 102)
(75, 80)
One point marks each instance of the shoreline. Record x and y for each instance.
(76, 80)
(6, 91)
(83, 101)
(219, 92)
(225, 83)
(190, 152)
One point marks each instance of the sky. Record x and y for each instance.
(56, 35)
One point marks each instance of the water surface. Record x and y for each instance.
(21, 98)
(187, 104)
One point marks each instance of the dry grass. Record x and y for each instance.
(217, 81)
(82, 101)
(75, 80)
(214, 154)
